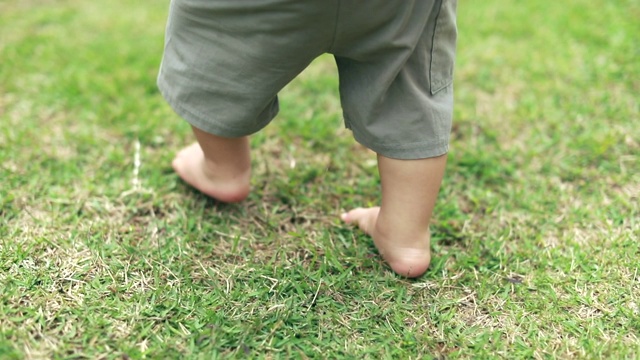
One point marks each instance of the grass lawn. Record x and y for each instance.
(105, 253)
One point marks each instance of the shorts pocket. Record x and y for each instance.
(443, 50)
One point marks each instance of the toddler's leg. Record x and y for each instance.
(219, 167)
(400, 227)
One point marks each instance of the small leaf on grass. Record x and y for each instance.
(515, 279)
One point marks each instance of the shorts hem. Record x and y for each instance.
(204, 123)
(412, 151)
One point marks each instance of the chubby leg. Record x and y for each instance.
(219, 167)
(400, 226)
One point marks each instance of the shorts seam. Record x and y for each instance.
(439, 79)
(335, 28)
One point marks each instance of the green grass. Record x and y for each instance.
(535, 235)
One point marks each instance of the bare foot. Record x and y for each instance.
(224, 184)
(406, 251)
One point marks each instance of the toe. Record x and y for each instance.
(174, 164)
(365, 218)
(352, 216)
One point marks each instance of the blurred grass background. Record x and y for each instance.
(535, 235)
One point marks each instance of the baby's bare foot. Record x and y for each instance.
(407, 252)
(225, 185)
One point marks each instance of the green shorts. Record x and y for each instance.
(226, 60)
